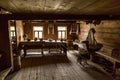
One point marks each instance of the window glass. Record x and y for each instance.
(12, 31)
(63, 35)
(40, 34)
(59, 35)
(37, 28)
(36, 34)
(61, 28)
(12, 28)
(38, 31)
(62, 32)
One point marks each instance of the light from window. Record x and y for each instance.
(40, 34)
(38, 31)
(36, 34)
(12, 31)
(37, 28)
(12, 28)
(63, 35)
(59, 35)
(61, 28)
(61, 32)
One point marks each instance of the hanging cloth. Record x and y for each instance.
(70, 30)
(52, 28)
(93, 45)
(78, 29)
(91, 37)
(48, 30)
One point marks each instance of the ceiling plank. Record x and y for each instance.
(75, 7)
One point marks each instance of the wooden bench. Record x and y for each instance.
(109, 57)
(4, 73)
(25, 45)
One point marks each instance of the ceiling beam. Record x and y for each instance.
(58, 17)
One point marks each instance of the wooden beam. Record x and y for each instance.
(58, 17)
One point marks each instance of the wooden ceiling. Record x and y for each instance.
(66, 7)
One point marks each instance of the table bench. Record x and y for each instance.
(4, 73)
(26, 45)
(109, 57)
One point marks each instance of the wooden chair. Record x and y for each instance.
(83, 54)
(70, 44)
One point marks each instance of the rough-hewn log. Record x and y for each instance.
(107, 33)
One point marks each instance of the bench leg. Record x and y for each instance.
(25, 52)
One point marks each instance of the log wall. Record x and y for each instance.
(107, 33)
(28, 29)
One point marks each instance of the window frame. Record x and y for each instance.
(37, 32)
(62, 33)
(12, 32)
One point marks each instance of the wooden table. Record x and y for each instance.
(25, 45)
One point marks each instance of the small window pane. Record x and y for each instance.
(40, 34)
(12, 28)
(63, 35)
(61, 28)
(36, 34)
(14, 33)
(11, 34)
(38, 28)
(59, 35)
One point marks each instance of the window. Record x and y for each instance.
(12, 31)
(62, 32)
(38, 31)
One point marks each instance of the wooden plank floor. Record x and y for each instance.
(57, 67)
